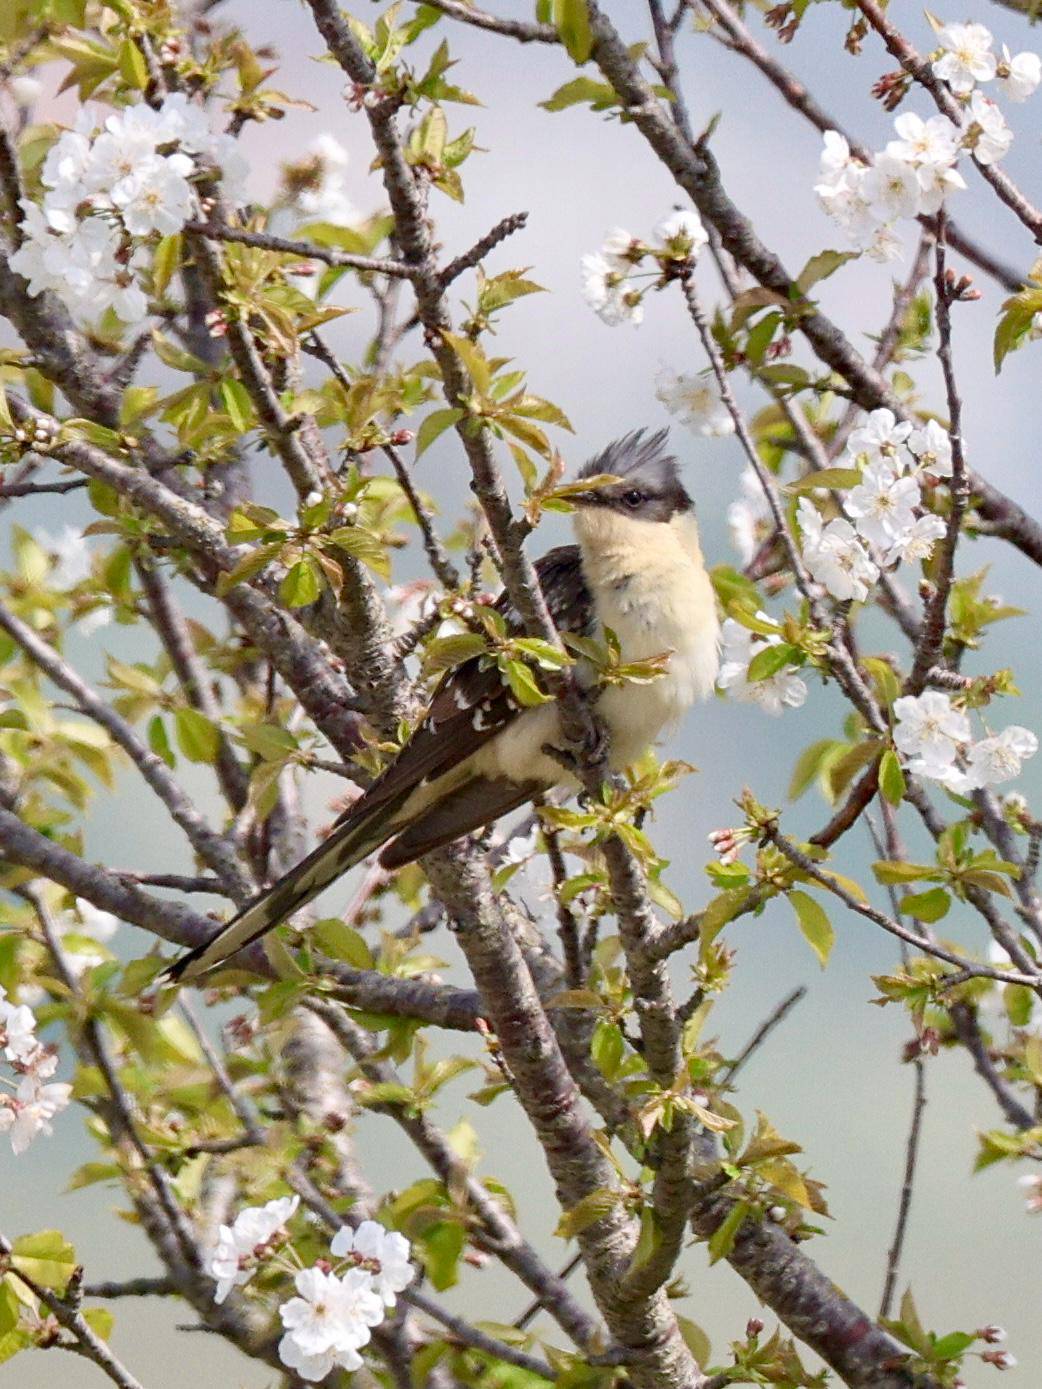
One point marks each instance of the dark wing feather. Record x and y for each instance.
(471, 704)
(472, 806)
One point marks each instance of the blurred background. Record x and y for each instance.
(832, 1076)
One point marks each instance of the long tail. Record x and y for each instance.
(357, 837)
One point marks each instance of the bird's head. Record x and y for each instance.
(648, 486)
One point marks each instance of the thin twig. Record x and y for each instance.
(931, 638)
(895, 928)
(86, 1341)
(773, 1019)
(307, 250)
(893, 1258)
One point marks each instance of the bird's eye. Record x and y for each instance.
(633, 497)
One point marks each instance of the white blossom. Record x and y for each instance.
(327, 199)
(605, 290)
(619, 248)
(682, 232)
(30, 1109)
(24, 89)
(695, 401)
(835, 555)
(156, 197)
(328, 1322)
(109, 190)
(783, 689)
(1020, 75)
(891, 188)
(933, 141)
(932, 447)
(916, 542)
(929, 732)
(371, 1244)
(18, 1034)
(967, 58)
(936, 181)
(880, 438)
(986, 131)
(835, 157)
(746, 516)
(883, 506)
(241, 1244)
(1000, 757)
(70, 552)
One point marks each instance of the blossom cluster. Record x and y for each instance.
(109, 191)
(911, 176)
(610, 276)
(336, 1305)
(36, 1098)
(696, 402)
(886, 522)
(935, 740)
(782, 689)
(915, 172)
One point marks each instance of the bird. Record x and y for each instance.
(636, 568)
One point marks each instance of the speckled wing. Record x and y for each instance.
(470, 705)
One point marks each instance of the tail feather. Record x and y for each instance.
(346, 846)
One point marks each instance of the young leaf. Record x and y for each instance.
(814, 923)
(891, 778)
(196, 736)
(302, 584)
(926, 906)
(573, 24)
(433, 425)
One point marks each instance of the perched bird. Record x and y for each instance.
(638, 569)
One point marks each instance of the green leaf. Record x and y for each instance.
(573, 24)
(165, 262)
(825, 477)
(926, 906)
(601, 95)
(196, 736)
(591, 1208)
(338, 940)
(814, 923)
(810, 765)
(771, 659)
(445, 653)
(159, 741)
(46, 1257)
(891, 778)
(820, 267)
(897, 871)
(302, 584)
(237, 403)
(269, 741)
(132, 65)
(434, 425)
(440, 1248)
(721, 1241)
(523, 684)
(951, 1347)
(247, 568)
(90, 1172)
(607, 1047)
(9, 1308)
(695, 1339)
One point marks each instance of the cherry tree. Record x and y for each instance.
(173, 357)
